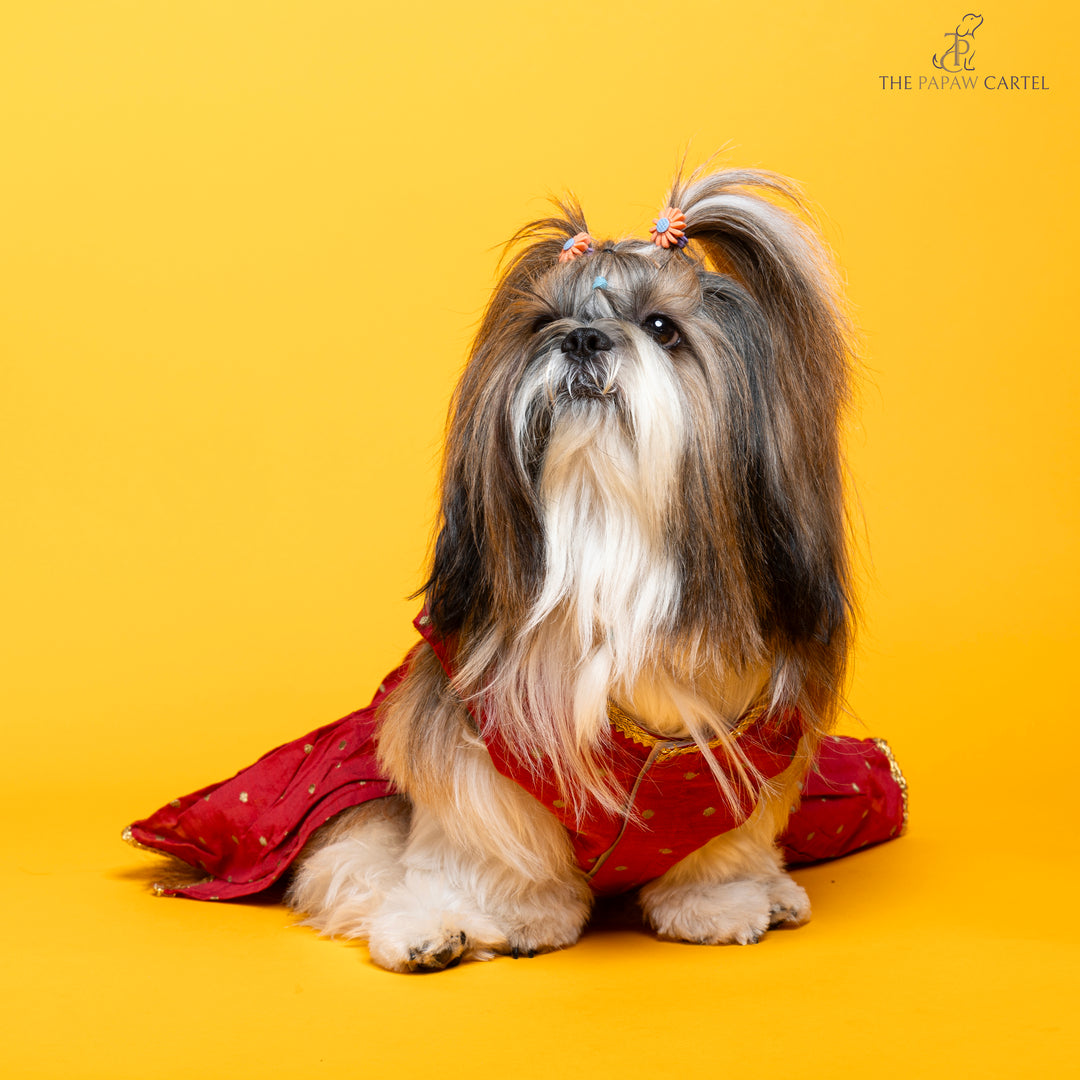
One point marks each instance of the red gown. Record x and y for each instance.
(245, 832)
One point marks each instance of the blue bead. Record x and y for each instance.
(662, 224)
(569, 244)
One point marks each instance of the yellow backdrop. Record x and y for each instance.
(244, 245)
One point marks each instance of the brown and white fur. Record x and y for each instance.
(641, 503)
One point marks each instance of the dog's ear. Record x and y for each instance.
(488, 557)
(774, 293)
(753, 226)
(457, 584)
(489, 552)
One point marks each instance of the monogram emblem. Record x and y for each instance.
(961, 53)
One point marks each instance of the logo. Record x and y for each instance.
(954, 69)
(960, 56)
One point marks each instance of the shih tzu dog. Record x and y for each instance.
(638, 610)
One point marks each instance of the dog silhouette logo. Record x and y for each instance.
(960, 55)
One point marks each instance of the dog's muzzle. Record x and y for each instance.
(584, 348)
(584, 342)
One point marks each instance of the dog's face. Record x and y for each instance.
(700, 385)
(584, 322)
(626, 340)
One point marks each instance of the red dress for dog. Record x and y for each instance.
(245, 832)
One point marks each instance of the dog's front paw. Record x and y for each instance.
(407, 936)
(727, 913)
(732, 913)
(434, 947)
(532, 940)
(544, 919)
(789, 906)
(431, 954)
(443, 952)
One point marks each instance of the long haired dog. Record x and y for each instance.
(642, 542)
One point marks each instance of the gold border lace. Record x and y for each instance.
(898, 776)
(629, 727)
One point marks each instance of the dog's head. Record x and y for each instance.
(686, 389)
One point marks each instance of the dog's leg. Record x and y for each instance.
(728, 892)
(390, 873)
(345, 871)
(486, 868)
(489, 895)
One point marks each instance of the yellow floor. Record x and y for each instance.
(952, 951)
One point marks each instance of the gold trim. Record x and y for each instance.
(128, 837)
(160, 888)
(629, 727)
(898, 776)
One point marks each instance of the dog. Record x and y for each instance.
(642, 550)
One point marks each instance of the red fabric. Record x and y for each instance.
(674, 807)
(246, 831)
(854, 796)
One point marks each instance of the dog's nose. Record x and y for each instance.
(584, 342)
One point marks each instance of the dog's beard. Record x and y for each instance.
(608, 476)
(602, 625)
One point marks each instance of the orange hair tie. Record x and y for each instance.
(575, 246)
(669, 228)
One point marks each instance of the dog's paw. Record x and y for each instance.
(413, 939)
(544, 919)
(431, 948)
(728, 913)
(532, 941)
(789, 906)
(434, 952)
(445, 952)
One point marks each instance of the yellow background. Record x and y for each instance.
(244, 245)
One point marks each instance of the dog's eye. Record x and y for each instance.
(662, 330)
(542, 322)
